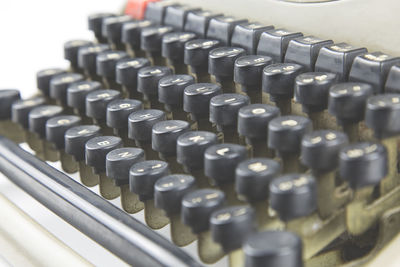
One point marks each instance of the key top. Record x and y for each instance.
(198, 21)
(112, 30)
(248, 74)
(71, 52)
(278, 82)
(126, 75)
(304, 51)
(75, 140)
(247, 35)
(274, 42)
(170, 93)
(142, 177)
(105, 66)
(59, 85)
(96, 150)
(172, 48)
(87, 59)
(8, 128)
(284, 136)
(168, 194)
(43, 78)
(265, 249)
(95, 22)
(148, 78)
(337, 58)
(76, 95)
(131, 32)
(155, 11)
(118, 164)
(221, 63)
(175, 16)
(221, 28)
(253, 123)
(393, 80)
(151, 40)
(20, 110)
(224, 111)
(372, 68)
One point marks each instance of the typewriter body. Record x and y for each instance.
(212, 133)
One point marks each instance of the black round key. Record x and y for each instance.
(247, 35)
(392, 84)
(221, 61)
(131, 32)
(248, 70)
(95, 22)
(165, 134)
(148, 78)
(176, 16)
(106, 62)
(382, 115)
(285, 133)
(57, 126)
(151, 38)
(221, 28)
(111, 28)
(224, 108)
(196, 54)
(220, 162)
(127, 70)
(7, 98)
(197, 207)
(20, 110)
(38, 117)
(77, 92)
(197, 22)
(43, 78)
(140, 123)
(253, 120)
(363, 164)
(96, 150)
(171, 87)
(119, 162)
(293, 195)
(231, 226)
(119, 110)
(97, 101)
(143, 176)
(278, 79)
(347, 101)
(76, 138)
(190, 148)
(71, 50)
(169, 191)
(87, 57)
(320, 149)
(196, 98)
(60, 83)
(273, 248)
(253, 177)
(173, 45)
(312, 90)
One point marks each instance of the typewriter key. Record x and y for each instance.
(172, 48)
(312, 92)
(221, 28)
(278, 82)
(76, 96)
(170, 93)
(284, 136)
(163, 140)
(224, 111)
(105, 67)
(253, 125)
(75, 140)
(274, 42)
(190, 148)
(220, 162)
(71, 52)
(95, 22)
(347, 102)
(197, 207)
(247, 35)
(96, 150)
(150, 42)
(59, 85)
(118, 164)
(198, 21)
(8, 128)
(118, 112)
(111, 29)
(392, 84)
(87, 59)
(55, 141)
(168, 194)
(126, 75)
(248, 73)
(155, 11)
(43, 78)
(196, 57)
(140, 124)
(131, 36)
(304, 51)
(196, 101)
(175, 16)
(221, 63)
(142, 177)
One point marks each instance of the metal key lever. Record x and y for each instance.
(112, 228)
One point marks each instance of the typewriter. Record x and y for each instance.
(213, 133)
